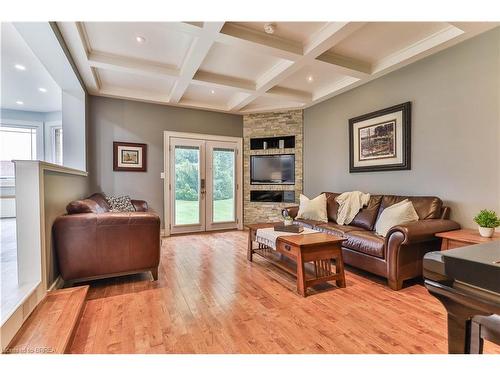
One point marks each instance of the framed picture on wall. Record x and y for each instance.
(381, 140)
(130, 157)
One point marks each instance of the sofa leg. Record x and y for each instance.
(154, 273)
(395, 284)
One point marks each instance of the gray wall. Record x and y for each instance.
(59, 190)
(455, 96)
(131, 121)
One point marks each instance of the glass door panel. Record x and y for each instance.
(223, 177)
(221, 185)
(187, 186)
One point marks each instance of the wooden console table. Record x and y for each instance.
(463, 237)
(294, 252)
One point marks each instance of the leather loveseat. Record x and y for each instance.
(91, 242)
(399, 255)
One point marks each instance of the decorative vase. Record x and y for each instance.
(288, 222)
(486, 232)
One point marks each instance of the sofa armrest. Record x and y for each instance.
(422, 230)
(139, 205)
(290, 211)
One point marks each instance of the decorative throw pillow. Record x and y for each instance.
(398, 214)
(313, 209)
(120, 204)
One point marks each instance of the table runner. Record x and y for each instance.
(268, 236)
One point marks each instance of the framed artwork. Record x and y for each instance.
(130, 157)
(381, 140)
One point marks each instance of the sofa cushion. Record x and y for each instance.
(84, 206)
(335, 229)
(398, 214)
(367, 216)
(101, 201)
(366, 242)
(332, 206)
(120, 204)
(313, 209)
(426, 207)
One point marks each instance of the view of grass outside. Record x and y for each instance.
(187, 185)
(187, 212)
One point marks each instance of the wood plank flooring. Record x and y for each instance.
(51, 327)
(210, 299)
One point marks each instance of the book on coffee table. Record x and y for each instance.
(293, 228)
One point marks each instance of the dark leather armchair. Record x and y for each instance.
(92, 242)
(399, 255)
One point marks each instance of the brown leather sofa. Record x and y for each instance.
(399, 255)
(92, 242)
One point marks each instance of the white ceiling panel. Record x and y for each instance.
(135, 82)
(312, 78)
(235, 62)
(376, 40)
(162, 43)
(214, 97)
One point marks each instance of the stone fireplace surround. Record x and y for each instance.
(270, 124)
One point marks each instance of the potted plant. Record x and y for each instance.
(287, 219)
(487, 221)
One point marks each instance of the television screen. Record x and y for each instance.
(272, 169)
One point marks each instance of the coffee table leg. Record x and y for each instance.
(301, 276)
(339, 268)
(250, 246)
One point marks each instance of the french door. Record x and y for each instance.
(203, 184)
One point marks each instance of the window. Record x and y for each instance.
(57, 145)
(16, 143)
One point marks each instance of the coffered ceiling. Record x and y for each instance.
(238, 67)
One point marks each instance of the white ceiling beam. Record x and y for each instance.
(259, 42)
(291, 94)
(75, 40)
(130, 65)
(121, 93)
(319, 43)
(203, 78)
(344, 65)
(197, 53)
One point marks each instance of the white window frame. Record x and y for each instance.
(50, 128)
(38, 125)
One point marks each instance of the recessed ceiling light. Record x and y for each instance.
(20, 67)
(41, 89)
(212, 92)
(140, 39)
(19, 102)
(310, 78)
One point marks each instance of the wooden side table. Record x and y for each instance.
(463, 237)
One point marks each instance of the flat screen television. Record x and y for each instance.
(272, 169)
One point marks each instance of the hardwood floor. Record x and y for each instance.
(210, 299)
(52, 325)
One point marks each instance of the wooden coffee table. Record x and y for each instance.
(306, 256)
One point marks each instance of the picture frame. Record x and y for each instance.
(130, 157)
(381, 140)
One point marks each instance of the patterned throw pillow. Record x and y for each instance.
(120, 204)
